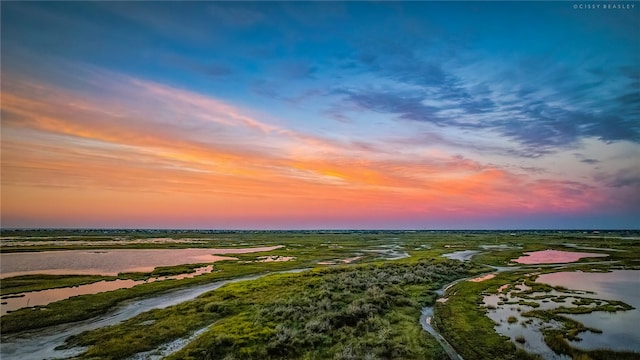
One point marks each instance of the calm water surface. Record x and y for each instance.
(110, 262)
(45, 297)
(554, 257)
(462, 255)
(620, 329)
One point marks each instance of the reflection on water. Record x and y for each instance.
(44, 343)
(620, 329)
(463, 255)
(554, 257)
(392, 252)
(529, 329)
(70, 240)
(44, 297)
(109, 262)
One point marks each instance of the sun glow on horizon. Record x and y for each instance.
(400, 138)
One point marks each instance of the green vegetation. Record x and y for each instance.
(26, 283)
(19, 284)
(462, 320)
(368, 309)
(466, 327)
(161, 271)
(365, 311)
(556, 341)
(87, 306)
(533, 304)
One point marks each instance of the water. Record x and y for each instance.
(462, 255)
(620, 329)
(531, 332)
(8, 241)
(44, 297)
(500, 247)
(40, 344)
(393, 253)
(425, 321)
(110, 262)
(554, 257)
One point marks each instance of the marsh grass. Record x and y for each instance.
(273, 318)
(461, 321)
(357, 311)
(87, 306)
(25, 283)
(480, 341)
(555, 339)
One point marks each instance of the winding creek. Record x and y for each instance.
(618, 333)
(41, 344)
(104, 262)
(426, 316)
(44, 297)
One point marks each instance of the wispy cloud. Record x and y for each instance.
(543, 106)
(172, 141)
(283, 111)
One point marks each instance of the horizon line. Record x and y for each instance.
(304, 230)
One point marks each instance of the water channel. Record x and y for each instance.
(14, 302)
(618, 328)
(41, 344)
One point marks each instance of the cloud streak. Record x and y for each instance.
(154, 138)
(271, 113)
(543, 106)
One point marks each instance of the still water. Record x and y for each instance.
(620, 329)
(110, 262)
(554, 257)
(462, 255)
(45, 297)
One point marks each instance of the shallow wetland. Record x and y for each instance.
(404, 295)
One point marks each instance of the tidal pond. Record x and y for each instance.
(616, 331)
(44, 343)
(43, 297)
(110, 262)
(619, 329)
(390, 252)
(462, 255)
(554, 257)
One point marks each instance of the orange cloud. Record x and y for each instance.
(141, 150)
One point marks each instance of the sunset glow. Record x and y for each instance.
(319, 115)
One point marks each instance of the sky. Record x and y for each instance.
(320, 115)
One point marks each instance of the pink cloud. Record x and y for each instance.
(137, 147)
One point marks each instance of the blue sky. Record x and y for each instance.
(535, 103)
